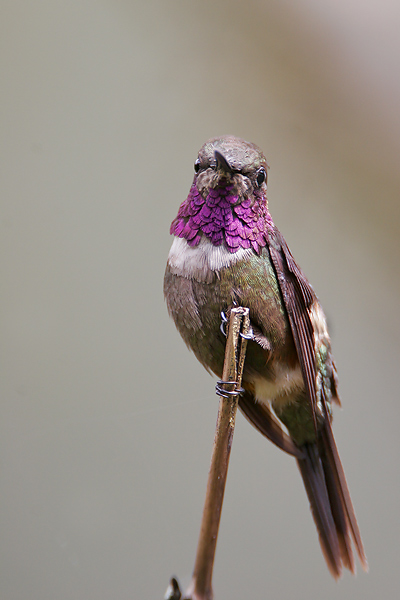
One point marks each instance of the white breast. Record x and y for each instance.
(202, 261)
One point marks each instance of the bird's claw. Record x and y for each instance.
(224, 321)
(247, 336)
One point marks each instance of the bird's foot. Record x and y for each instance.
(224, 320)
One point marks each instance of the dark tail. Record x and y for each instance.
(331, 506)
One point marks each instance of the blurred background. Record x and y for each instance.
(107, 420)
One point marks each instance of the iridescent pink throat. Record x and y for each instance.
(244, 225)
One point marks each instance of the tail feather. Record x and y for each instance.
(311, 470)
(338, 512)
(331, 506)
(334, 466)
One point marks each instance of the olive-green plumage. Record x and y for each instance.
(250, 282)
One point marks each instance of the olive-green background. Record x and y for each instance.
(106, 419)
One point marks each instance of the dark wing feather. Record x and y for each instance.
(298, 296)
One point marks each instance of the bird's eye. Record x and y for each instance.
(197, 165)
(261, 176)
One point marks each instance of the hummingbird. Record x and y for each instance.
(228, 252)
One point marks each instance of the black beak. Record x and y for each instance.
(222, 163)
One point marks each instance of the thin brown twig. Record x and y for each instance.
(235, 350)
